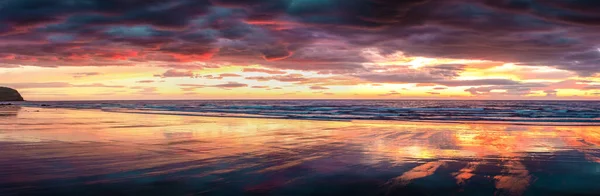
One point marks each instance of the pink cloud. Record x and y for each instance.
(85, 74)
(173, 73)
(229, 75)
(230, 85)
(260, 70)
(318, 88)
(282, 78)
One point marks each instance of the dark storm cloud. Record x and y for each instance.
(527, 32)
(161, 13)
(358, 14)
(317, 35)
(437, 74)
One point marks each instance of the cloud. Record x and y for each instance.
(327, 37)
(281, 78)
(225, 85)
(478, 82)
(37, 85)
(431, 77)
(260, 70)
(318, 88)
(173, 73)
(148, 91)
(550, 93)
(510, 90)
(220, 76)
(230, 85)
(404, 74)
(391, 93)
(229, 75)
(212, 77)
(445, 70)
(570, 84)
(592, 87)
(531, 72)
(85, 74)
(145, 81)
(397, 78)
(57, 85)
(191, 66)
(276, 53)
(191, 87)
(98, 85)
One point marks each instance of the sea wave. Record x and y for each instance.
(578, 112)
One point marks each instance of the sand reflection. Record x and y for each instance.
(100, 145)
(420, 171)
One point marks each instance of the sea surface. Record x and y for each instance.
(181, 148)
(545, 112)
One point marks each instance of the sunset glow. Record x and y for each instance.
(294, 49)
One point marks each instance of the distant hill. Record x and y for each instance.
(9, 94)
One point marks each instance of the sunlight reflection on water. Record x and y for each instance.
(61, 151)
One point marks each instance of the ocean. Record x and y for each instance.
(536, 112)
(300, 147)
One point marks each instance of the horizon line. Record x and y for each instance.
(317, 99)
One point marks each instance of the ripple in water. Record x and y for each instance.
(532, 112)
(90, 152)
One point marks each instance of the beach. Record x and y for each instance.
(299, 97)
(57, 151)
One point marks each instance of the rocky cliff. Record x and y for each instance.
(9, 94)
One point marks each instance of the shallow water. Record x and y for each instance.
(47, 151)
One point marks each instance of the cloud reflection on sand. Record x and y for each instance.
(89, 148)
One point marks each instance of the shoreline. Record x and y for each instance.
(126, 152)
(383, 121)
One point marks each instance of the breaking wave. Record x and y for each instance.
(578, 112)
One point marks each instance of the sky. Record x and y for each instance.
(301, 49)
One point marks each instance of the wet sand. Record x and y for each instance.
(91, 152)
